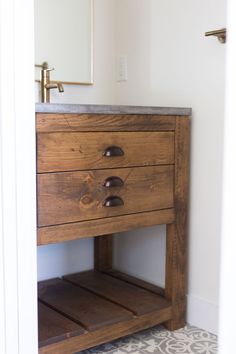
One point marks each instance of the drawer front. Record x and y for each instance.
(86, 195)
(69, 151)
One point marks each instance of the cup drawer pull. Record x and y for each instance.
(113, 182)
(113, 151)
(113, 201)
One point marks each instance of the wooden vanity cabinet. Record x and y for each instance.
(99, 174)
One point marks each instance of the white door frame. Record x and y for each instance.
(228, 241)
(18, 272)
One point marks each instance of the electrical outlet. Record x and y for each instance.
(122, 68)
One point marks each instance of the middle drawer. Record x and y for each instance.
(66, 197)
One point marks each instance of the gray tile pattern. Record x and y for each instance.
(158, 340)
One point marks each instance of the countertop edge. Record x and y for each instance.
(109, 109)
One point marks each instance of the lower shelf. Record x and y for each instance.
(87, 309)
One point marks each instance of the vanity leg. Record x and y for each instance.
(103, 251)
(176, 235)
(175, 288)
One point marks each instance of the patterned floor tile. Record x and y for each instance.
(158, 340)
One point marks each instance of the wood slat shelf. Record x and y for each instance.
(54, 327)
(88, 305)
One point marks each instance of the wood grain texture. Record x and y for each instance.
(131, 297)
(46, 122)
(103, 253)
(83, 229)
(79, 196)
(136, 281)
(71, 151)
(53, 327)
(72, 170)
(107, 334)
(81, 306)
(176, 245)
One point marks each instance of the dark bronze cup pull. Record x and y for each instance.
(113, 201)
(113, 182)
(113, 151)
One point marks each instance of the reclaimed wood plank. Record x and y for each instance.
(103, 253)
(107, 334)
(80, 196)
(81, 306)
(99, 227)
(53, 122)
(176, 241)
(136, 281)
(73, 151)
(53, 327)
(131, 297)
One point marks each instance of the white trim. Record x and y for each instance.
(17, 169)
(228, 243)
(2, 294)
(202, 314)
(8, 173)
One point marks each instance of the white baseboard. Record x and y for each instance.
(202, 314)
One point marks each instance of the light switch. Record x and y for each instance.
(122, 68)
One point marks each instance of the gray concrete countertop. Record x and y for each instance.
(105, 109)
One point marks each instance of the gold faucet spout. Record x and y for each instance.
(50, 86)
(60, 87)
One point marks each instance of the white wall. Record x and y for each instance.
(171, 63)
(59, 259)
(102, 92)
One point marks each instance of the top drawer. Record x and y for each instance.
(68, 151)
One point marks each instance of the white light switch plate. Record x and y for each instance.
(122, 68)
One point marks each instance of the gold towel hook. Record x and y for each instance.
(220, 34)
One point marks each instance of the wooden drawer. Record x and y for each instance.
(75, 196)
(71, 151)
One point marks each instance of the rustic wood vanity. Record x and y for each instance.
(103, 170)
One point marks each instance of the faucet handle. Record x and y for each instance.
(44, 65)
(47, 70)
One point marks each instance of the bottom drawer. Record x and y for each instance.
(75, 196)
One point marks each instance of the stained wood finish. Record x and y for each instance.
(68, 301)
(176, 245)
(75, 231)
(103, 252)
(84, 151)
(81, 306)
(72, 145)
(53, 327)
(107, 334)
(47, 122)
(135, 281)
(131, 297)
(77, 196)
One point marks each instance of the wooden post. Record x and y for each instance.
(103, 251)
(176, 238)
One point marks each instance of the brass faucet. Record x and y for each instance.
(46, 84)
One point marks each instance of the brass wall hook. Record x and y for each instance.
(220, 34)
